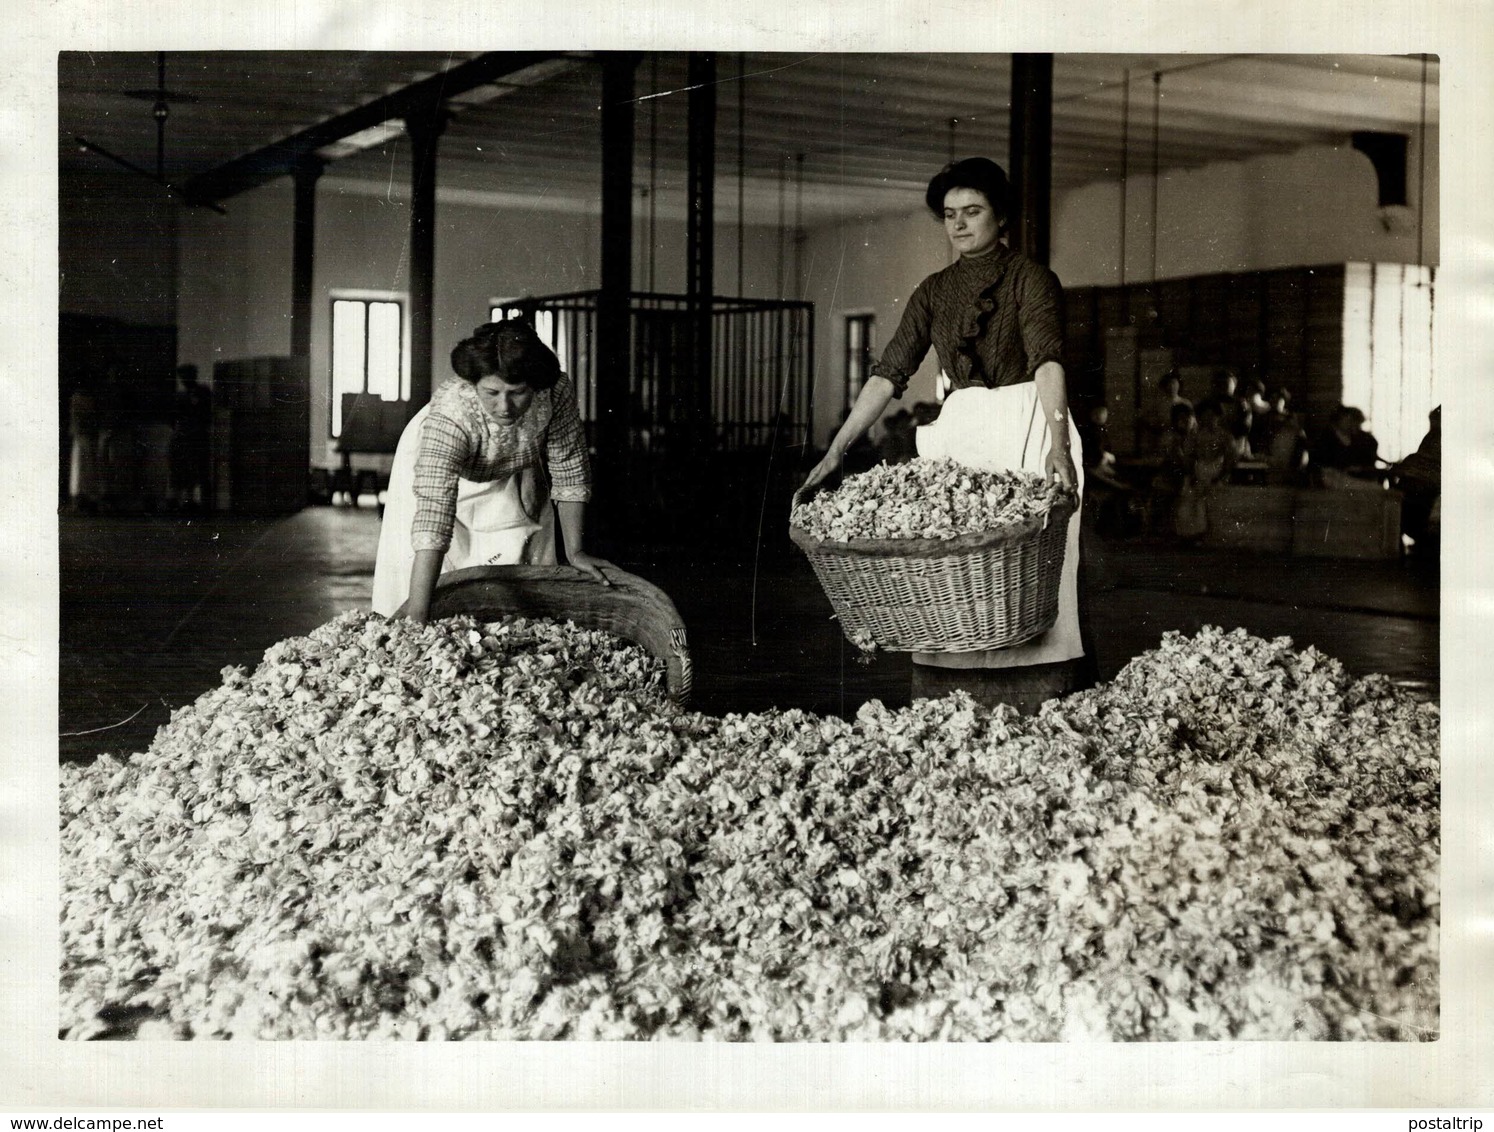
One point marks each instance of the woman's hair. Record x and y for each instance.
(509, 350)
(979, 173)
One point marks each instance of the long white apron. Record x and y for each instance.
(493, 526)
(994, 430)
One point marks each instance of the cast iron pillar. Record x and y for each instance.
(700, 233)
(614, 336)
(303, 253)
(424, 122)
(1032, 153)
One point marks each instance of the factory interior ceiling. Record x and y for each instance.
(821, 135)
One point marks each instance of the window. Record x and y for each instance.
(545, 325)
(368, 353)
(859, 331)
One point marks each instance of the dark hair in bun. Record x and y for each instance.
(979, 173)
(468, 361)
(518, 354)
(509, 350)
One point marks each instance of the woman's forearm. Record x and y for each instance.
(1055, 399)
(874, 397)
(423, 574)
(572, 525)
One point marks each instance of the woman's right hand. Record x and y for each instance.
(818, 474)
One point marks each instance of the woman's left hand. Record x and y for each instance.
(591, 567)
(1060, 466)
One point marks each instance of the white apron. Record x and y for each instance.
(993, 430)
(492, 528)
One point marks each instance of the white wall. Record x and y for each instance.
(1315, 205)
(869, 265)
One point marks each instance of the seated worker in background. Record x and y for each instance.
(1177, 448)
(1094, 439)
(1260, 407)
(1157, 418)
(897, 444)
(1212, 451)
(1345, 455)
(1419, 478)
(1177, 462)
(1233, 409)
(1116, 511)
(1284, 442)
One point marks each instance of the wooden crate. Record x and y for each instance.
(1251, 518)
(268, 403)
(1347, 524)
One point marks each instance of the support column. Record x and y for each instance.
(424, 122)
(303, 253)
(614, 367)
(1032, 153)
(700, 232)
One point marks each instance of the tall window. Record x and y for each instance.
(859, 331)
(367, 352)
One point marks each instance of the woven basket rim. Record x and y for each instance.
(1061, 511)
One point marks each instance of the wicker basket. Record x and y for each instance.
(630, 608)
(975, 592)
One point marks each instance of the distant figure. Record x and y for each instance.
(1094, 438)
(1157, 419)
(84, 488)
(1283, 441)
(191, 441)
(897, 444)
(926, 412)
(1177, 448)
(1260, 407)
(1234, 410)
(1214, 450)
(1345, 455)
(116, 464)
(1419, 478)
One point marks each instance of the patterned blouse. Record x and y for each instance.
(992, 320)
(461, 439)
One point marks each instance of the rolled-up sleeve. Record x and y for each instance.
(910, 344)
(445, 449)
(565, 447)
(1039, 316)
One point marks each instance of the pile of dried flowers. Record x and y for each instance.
(924, 498)
(505, 831)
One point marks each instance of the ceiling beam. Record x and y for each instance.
(281, 158)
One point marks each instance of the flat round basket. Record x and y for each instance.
(630, 608)
(975, 592)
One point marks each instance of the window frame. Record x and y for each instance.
(401, 301)
(867, 321)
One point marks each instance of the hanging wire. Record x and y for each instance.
(1156, 162)
(799, 226)
(741, 167)
(782, 188)
(1125, 166)
(653, 164)
(1421, 164)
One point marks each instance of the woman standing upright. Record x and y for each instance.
(993, 319)
(476, 469)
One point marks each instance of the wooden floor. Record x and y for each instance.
(153, 608)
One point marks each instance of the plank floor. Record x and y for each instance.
(151, 610)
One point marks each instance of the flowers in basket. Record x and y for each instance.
(924, 499)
